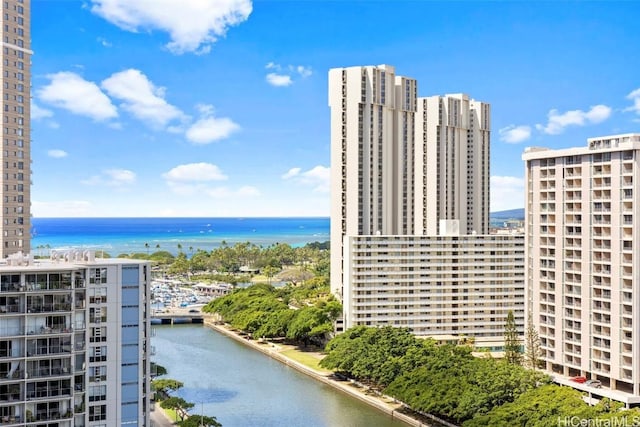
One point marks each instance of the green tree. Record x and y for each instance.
(178, 404)
(166, 385)
(146, 245)
(180, 265)
(270, 271)
(512, 341)
(199, 421)
(532, 350)
(158, 370)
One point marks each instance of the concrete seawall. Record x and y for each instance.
(392, 409)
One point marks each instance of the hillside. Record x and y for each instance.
(508, 214)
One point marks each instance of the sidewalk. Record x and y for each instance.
(159, 418)
(363, 393)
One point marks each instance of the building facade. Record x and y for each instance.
(16, 154)
(74, 341)
(582, 241)
(461, 286)
(453, 135)
(400, 163)
(372, 131)
(410, 243)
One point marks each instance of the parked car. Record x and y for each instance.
(579, 379)
(594, 383)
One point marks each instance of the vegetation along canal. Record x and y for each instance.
(242, 387)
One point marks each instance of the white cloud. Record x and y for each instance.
(62, 208)
(304, 71)
(104, 42)
(559, 121)
(71, 92)
(635, 97)
(112, 178)
(141, 98)
(57, 154)
(193, 25)
(513, 134)
(507, 192)
(194, 179)
(291, 173)
(38, 112)
(278, 80)
(319, 178)
(208, 128)
(248, 190)
(119, 177)
(195, 172)
(284, 76)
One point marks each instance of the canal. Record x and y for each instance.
(242, 387)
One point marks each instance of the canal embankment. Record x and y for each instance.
(381, 402)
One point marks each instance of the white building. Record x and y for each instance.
(582, 260)
(452, 163)
(400, 165)
(436, 285)
(372, 142)
(15, 164)
(74, 341)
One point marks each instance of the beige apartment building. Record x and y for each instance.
(582, 242)
(401, 163)
(372, 143)
(16, 158)
(457, 285)
(452, 163)
(410, 243)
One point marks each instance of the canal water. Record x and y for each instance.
(242, 387)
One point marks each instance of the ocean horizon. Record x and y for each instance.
(129, 235)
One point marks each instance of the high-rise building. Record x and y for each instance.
(16, 156)
(400, 163)
(582, 246)
(452, 163)
(372, 143)
(410, 211)
(74, 341)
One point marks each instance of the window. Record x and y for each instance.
(97, 413)
(98, 275)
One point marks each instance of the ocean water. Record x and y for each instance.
(128, 235)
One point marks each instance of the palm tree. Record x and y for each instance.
(146, 245)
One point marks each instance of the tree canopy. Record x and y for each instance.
(445, 380)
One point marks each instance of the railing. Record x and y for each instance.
(11, 308)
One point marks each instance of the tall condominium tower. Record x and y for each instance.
(452, 163)
(400, 163)
(410, 212)
(372, 157)
(582, 263)
(16, 156)
(74, 341)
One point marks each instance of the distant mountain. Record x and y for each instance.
(510, 214)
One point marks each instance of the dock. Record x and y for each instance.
(171, 316)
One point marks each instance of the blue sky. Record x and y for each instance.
(219, 107)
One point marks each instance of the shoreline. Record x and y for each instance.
(383, 403)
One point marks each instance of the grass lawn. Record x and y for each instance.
(171, 413)
(305, 358)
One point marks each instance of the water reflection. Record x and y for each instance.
(242, 387)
